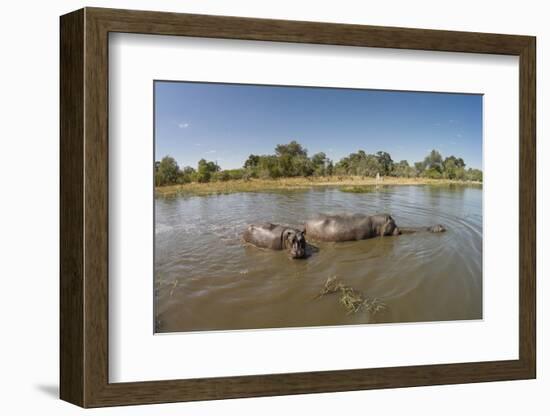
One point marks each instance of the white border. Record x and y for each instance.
(135, 354)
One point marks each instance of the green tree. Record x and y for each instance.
(419, 168)
(302, 166)
(222, 175)
(433, 173)
(319, 159)
(474, 175)
(188, 170)
(460, 174)
(385, 161)
(320, 163)
(434, 161)
(342, 167)
(291, 149)
(292, 160)
(403, 170)
(369, 165)
(285, 164)
(167, 171)
(330, 168)
(205, 170)
(268, 167)
(252, 162)
(450, 167)
(360, 163)
(186, 175)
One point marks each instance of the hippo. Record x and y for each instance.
(438, 228)
(350, 227)
(354, 227)
(277, 237)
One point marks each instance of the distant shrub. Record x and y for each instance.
(291, 160)
(235, 173)
(432, 173)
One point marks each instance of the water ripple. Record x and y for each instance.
(223, 284)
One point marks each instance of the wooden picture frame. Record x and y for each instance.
(84, 207)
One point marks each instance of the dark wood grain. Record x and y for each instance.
(96, 219)
(71, 185)
(527, 207)
(84, 207)
(162, 23)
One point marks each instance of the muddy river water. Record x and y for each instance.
(207, 279)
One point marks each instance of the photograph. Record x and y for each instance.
(288, 206)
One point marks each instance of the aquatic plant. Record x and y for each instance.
(174, 285)
(332, 285)
(374, 305)
(350, 298)
(358, 189)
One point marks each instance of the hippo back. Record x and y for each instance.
(340, 227)
(264, 235)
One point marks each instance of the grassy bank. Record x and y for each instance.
(354, 184)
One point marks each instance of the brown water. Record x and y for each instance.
(206, 279)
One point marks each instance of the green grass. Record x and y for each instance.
(358, 189)
(353, 184)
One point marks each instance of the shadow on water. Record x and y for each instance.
(206, 279)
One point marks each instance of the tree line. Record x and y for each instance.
(291, 160)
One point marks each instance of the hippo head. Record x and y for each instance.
(389, 227)
(438, 228)
(295, 242)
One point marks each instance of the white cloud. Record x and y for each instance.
(183, 125)
(210, 152)
(459, 135)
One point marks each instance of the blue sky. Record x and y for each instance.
(227, 122)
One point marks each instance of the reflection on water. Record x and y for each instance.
(206, 279)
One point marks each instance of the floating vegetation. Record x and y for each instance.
(350, 298)
(174, 285)
(374, 305)
(332, 285)
(358, 189)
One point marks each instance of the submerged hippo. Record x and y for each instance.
(277, 237)
(357, 227)
(350, 227)
(438, 228)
